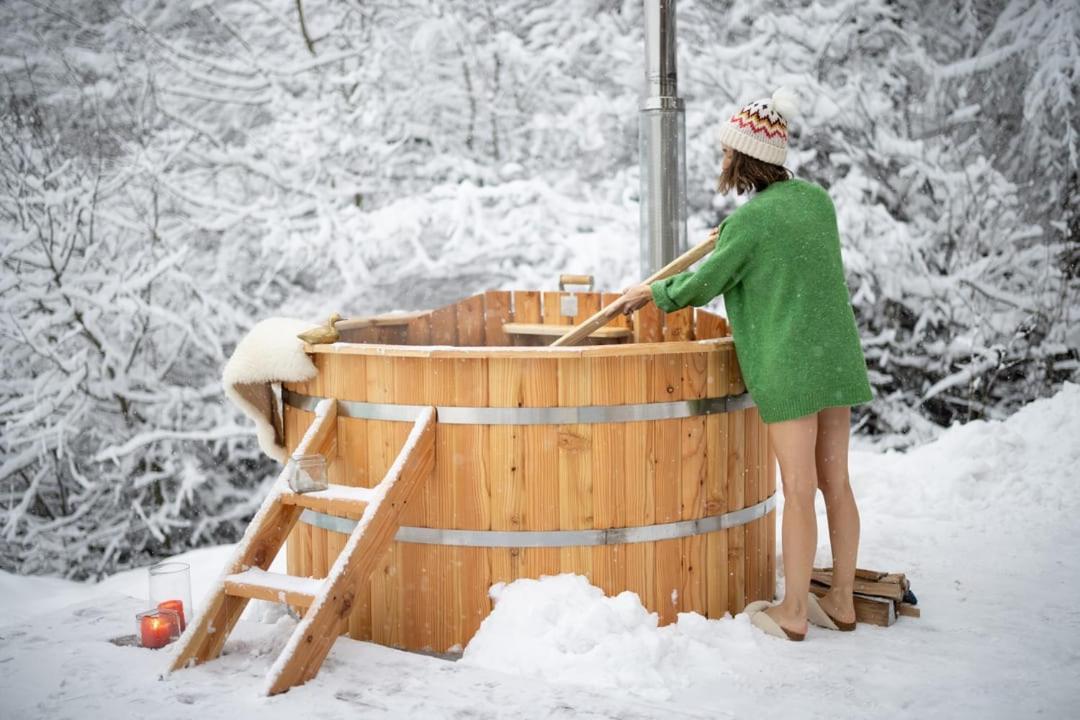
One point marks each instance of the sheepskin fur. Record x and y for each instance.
(270, 353)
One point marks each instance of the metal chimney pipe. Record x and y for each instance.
(662, 144)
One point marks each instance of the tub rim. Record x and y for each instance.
(522, 352)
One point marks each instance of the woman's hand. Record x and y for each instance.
(634, 298)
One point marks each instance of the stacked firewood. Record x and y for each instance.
(879, 596)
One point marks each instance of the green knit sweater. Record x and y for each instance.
(777, 263)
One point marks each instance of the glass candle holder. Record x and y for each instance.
(170, 590)
(157, 628)
(307, 473)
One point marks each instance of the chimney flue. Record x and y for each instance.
(662, 144)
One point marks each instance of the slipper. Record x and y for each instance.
(759, 619)
(818, 615)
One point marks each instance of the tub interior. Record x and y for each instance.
(530, 318)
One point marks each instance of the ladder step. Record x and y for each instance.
(340, 500)
(261, 585)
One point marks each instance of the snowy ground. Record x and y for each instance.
(983, 521)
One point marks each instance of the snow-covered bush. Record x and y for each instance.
(173, 172)
(116, 446)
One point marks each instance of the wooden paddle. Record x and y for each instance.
(607, 314)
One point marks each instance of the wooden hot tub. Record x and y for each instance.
(638, 461)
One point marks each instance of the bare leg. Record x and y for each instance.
(794, 442)
(834, 430)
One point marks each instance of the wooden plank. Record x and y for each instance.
(261, 542)
(442, 508)
(582, 461)
(540, 388)
(892, 578)
(327, 502)
(871, 610)
(444, 326)
(736, 492)
(771, 528)
(392, 334)
(518, 328)
(620, 320)
(305, 533)
(649, 324)
(472, 500)
(317, 548)
(693, 495)
(383, 444)
(708, 325)
(442, 351)
(497, 312)
(608, 468)
(575, 465)
(306, 567)
(322, 623)
(892, 591)
(415, 560)
(366, 334)
(861, 573)
(754, 553)
(506, 457)
(909, 610)
(349, 379)
(384, 320)
(716, 487)
(679, 325)
(418, 331)
(527, 310)
(588, 303)
(271, 588)
(666, 386)
(470, 320)
(761, 525)
(290, 422)
(552, 306)
(527, 306)
(639, 481)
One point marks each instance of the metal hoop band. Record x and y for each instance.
(584, 414)
(556, 538)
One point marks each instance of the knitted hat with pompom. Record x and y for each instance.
(760, 129)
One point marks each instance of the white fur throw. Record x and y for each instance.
(270, 353)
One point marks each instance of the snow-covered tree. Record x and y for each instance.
(173, 172)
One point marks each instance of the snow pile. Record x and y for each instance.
(563, 629)
(979, 519)
(983, 474)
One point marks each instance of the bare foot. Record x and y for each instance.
(840, 605)
(790, 622)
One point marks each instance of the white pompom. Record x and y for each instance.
(785, 102)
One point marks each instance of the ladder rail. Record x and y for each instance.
(263, 538)
(322, 623)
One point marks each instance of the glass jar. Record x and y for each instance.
(307, 473)
(170, 590)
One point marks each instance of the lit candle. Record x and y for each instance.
(156, 630)
(177, 606)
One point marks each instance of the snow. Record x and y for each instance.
(277, 581)
(981, 520)
(344, 493)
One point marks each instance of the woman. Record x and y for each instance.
(777, 262)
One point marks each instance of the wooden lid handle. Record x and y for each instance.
(565, 280)
(607, 314)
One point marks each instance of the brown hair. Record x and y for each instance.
(747, 173)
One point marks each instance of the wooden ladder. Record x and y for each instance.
(328, 601)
